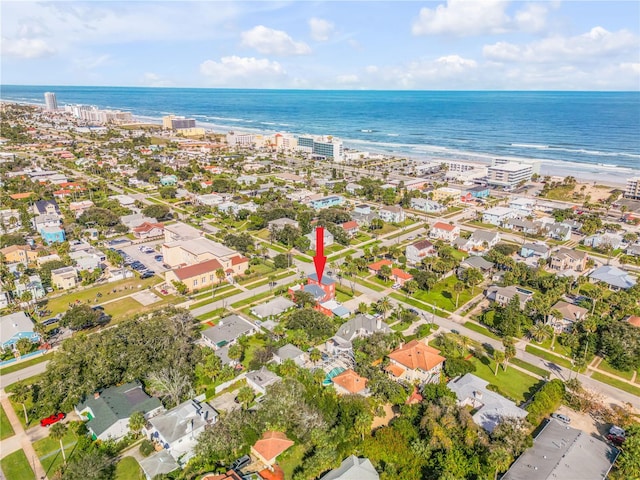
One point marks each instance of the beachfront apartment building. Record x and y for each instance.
(322, 147)
(633, 188)
(509, 175)
(173, 122)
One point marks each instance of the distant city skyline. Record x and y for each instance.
(442, 45)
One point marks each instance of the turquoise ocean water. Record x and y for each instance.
(594, 131)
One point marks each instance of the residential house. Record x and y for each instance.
(363, 215)
(46, 207)
(290, 352)
(479, 263)
(426, 205)
(352, 188)
(504, 295)
(350, 228)
(208, 199)
(350, 383)
(168, 180)
(247, 180)
(524, 206)
(280, 223)
(108, 411)
(563, 452)
(400, 277)
(328, 285)
(52, 235)
(417, 251)
(159, 464)
(328, 238)
(270, 446)
(498, 215)
(391, 214)
(353, 468)
(273, 308)
(15, 326)
(567, 259)
(326, 202)
(478, 243)
(135, 220)
(604, 240)
(416, 361)
(633, 320)
(558, 231)
(78, 208)
(33, 286)
(479, 191)
(64, 278)
(259, 380)
(525, 226)
(226, 333)
(177, 430)
(148, 230)
(615, 278)
(633, 250)
(569, 314)
(359, 326)
(535, 250)
(10, 220)
(331, 308)
(44, 221)
(374, 268)
(23, 254)
(5, 299)
(490, 407)
(444, 231)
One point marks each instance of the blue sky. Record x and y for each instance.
(454, 44)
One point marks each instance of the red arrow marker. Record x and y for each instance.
(319, 260)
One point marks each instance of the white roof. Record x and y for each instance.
(13, 324)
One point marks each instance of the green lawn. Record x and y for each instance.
(557, 347)
(443, 296)
(222, 296)
(265, 281)
(550, 357)
(532, 368)
(253, 299)
(212, 314)
(14, 367)
(5, 426)
(342, 254)
(601, 377)
(127, 307)
(128, 469)
(512, 383)
(379, 281)
(605, 367)
(303, 259)
(61, 304)
(207, 293)
(370, 285)
(16, 466)
(254, 343)
(291, 459)
(480, 329)
(48, 451)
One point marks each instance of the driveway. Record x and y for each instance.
(225, 402)
(146, 258)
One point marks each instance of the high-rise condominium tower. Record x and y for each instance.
(50, 101)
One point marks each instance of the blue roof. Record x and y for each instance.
(341, 311)
(314, 290)
(326, 279)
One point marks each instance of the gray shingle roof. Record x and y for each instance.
(353, 468)
(360, 325)
(289, 351)
(227, 330)
(159, 463)
(613, 276)
(273, 307)
(263, 377)
(177, 422)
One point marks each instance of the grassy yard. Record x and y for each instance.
(370, 285)
(341, 255)
(443, 296)
(379, 281)
(550, 357)
(5, 427)
(14, 367)
(253, 299)
(557, 348)
(290, 459)
(605, 367)
(16, 466)
(480, 329)
(601, 377)
(222, 296)
(128, 469)
(303, 259)
(207, 293)
(512, 383)
(254, 343)
(532, 368)
(48, 451)
(61, 304)
(212, 314)
(127, 307)
(265, 281)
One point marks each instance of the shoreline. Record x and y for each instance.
(586, 173)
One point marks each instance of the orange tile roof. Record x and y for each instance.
(395, 370)
(444, 226)
(238, 259)
(20, 196)
(147, 227)
(350, 225)
(634, 320)
(198, 269)
(415, 397)
(397, 272)
(272, 444)
(350, 381)
(62, 192)
(377, 265)
(416, 354)
(276, 474)
(230, 475)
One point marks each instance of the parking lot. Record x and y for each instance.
(146, 258)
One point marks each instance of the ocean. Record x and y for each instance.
(580, 133)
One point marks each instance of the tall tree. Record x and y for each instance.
(498, 357)
(458, 288)
(22, 394)
(57, 432)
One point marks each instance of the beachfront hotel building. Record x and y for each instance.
(172, 122)
(322, 147)
(50, 101)
(633, 188)
(91, 113)
(509, 175)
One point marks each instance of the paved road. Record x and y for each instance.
(9, 378)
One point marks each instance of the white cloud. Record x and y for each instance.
(26, 48)
(273, 42)
(239, 72)
(91, 62)
(532, 18)
(596, 44)
(347, 79)
(150, 79)
(463, 17)
(321, 29)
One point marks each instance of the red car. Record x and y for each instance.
(50, 420)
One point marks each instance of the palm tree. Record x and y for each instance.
(458, 288)
(22, 394)
(498, 357)
(57, 432)
(384, 306)
(315, 355)
(596, 294)
(500, 459)
(509, 351)
(363, 307)
(137, 422)
(245, 396)
(539, 332)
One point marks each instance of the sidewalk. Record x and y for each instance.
(20, 440)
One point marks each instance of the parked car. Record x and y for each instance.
(159, 258)
(50, 321)
(51, 419)
(561, 417)
(148, 274)
(240, 463)
(617, 440)
(164, 292)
